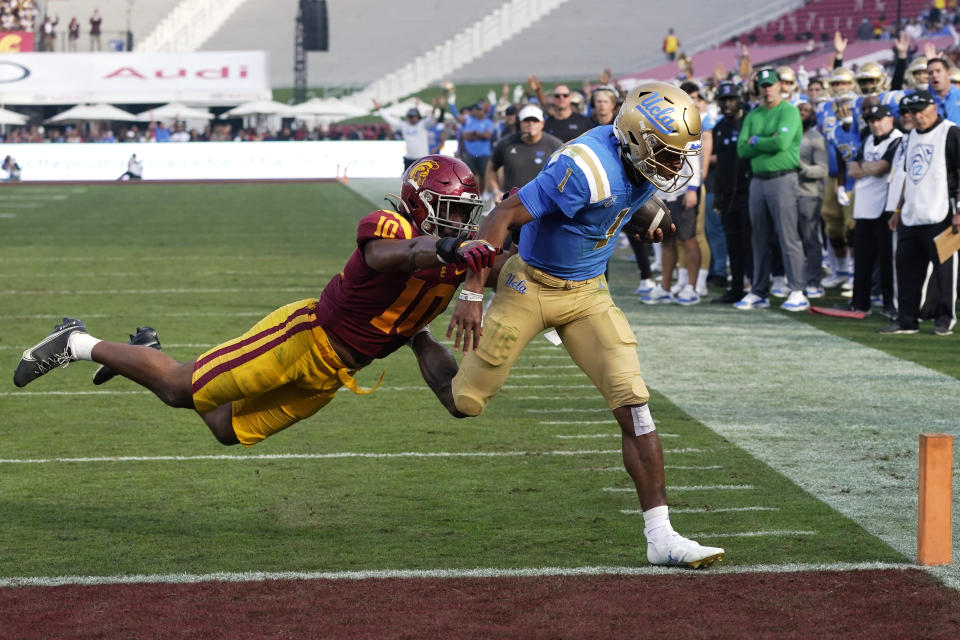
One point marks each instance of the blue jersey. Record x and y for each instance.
(826, 122)
(579, 202)
(848, 144)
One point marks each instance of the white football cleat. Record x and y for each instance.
(678, 551)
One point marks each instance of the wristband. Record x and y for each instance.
(470, 296)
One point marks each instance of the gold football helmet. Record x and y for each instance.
(954, 76)
(917, 73)
(872, 78)
(788, 80)
(658, 127)
(841, 81)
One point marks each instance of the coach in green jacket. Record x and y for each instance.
(770, 139)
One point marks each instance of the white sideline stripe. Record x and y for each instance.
(615, 435)
(681, 467)
(313, 456)
(751, 534)
(29, 196)
(142, 258)
(703, 510)
(8, 216)
(210, 314)
(343, 390)
(611, 421)
(111, 292)
(414, 574)
(22, 205)
(328, 456)
(74, 393)
(698, 487)
(166, 345)
(565, 410)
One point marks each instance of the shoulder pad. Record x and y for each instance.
(586, 162)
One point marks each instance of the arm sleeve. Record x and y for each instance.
(744, 150)
(899, 72)
(818, 169)
(892, 150)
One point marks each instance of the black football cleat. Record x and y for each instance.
(144, 337)
(48, 354)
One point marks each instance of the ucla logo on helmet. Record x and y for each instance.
(661, 116)
(419, 172)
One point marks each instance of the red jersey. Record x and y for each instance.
(376, 313)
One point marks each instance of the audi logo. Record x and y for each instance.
(12, 72)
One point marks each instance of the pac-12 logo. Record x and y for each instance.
(420, 171)
(661, 116)
(919, 162)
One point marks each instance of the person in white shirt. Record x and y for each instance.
(415, 131)
(872, 238)
(927, 207)
(134, 169)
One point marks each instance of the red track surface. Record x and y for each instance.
(851, 605)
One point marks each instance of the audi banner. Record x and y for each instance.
(208, 78)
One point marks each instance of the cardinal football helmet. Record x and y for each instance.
(841, 81)
(872, 78)
(658, 128)
(438, 193)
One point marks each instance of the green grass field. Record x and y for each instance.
(108, 481)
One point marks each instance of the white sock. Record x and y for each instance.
(702, 278)
(81, 345)
(683, 278)
(657, 524)
(846, 265)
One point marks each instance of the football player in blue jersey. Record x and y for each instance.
(569, 217)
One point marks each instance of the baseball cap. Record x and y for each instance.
(509, 111)
(876, 111)
(767, 76)
(728, 90)
(917, 101)
(413, 112)
(530, 111)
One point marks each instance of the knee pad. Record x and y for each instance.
(484, 370)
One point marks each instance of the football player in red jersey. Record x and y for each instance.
(406, 267)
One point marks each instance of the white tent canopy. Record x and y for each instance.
(259, 108)
(175, 111)
(93, 112)
(12, 117)
(330, 108)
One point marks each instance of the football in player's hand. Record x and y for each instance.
(651, 216)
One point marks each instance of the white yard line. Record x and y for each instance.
(703, 510)
(611, 435)
(699, 487)
(420, 574)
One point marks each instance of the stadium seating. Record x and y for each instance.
(819, 19)
(143, 17)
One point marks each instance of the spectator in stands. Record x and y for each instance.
(926, 209)
(770, 139)
(161, 133)
(73, 34)
(48, 33)
(562, 122)
(508, 124)
(671, 44)
(95, 22)
(477, 134)
(865, 30)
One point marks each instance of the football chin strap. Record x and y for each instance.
(642, 420)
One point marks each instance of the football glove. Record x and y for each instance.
(473, 254)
